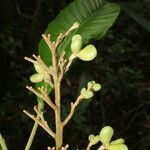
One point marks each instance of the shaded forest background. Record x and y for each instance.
(121, 67)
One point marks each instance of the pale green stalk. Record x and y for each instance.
(2, 143)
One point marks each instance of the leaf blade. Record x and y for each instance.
(89, 13)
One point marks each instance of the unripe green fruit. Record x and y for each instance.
(76, 37)
(38, 69)
(96, 87)
(76, 43)
(90, 85)
(88, 94)
(91, 136)
(118, 141)
(88, 53)
(93, 82)
(106, 134)
(118, 147)
(36, 78)
(83, 91)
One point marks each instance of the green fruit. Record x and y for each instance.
(96, 87)
(36, 78)
(93, 82)
(83, 92)
(118, 147)
(118, 141)
(88, 94)
(91, 137)
(76, 43)
(76, 37)
(88, 53)
(106, 134)
(38, 69)
(90, 85)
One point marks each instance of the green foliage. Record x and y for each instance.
(102, 16)
(95, 18)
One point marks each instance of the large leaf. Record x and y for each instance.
(95, 18)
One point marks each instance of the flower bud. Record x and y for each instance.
(88, 53)
(38, 69)
(118, 141)
(91, 136)
(76, 43)
(36, 78)
(96, 87)
(88, 94)
(118, 147)
(106, 134)
(90, 85)
(76, 37)
(93, 82)
(83, 92)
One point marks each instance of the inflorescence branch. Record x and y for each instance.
(44, 95)
(56, 72)
(41, 123)
(72, 110)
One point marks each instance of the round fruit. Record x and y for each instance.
(76, 43)
(88, 53)
(90, 85)
(91, 136)
(96, 87)
(38, 69)
(106, 134)
(89, 94)
(83, 92)
(76, 37)
(36, 78)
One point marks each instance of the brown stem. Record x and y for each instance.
(47, 129)
(59, 127)
(72, 110)
(57, 76)
(44, 96)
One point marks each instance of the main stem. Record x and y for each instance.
(58, 123)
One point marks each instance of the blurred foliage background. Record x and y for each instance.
(122, 67)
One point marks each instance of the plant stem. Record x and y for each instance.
(34, 129)
(58, 123)
(32, 135)
(2, 143)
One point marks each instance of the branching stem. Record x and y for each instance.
(59, 66)
(72, 110)
(47, 129)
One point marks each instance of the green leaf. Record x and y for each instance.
(95, 18)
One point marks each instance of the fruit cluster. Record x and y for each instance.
(104, 137)
(40, 75)
(91, 87)
(88, 53)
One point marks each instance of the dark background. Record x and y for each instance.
(121, 67)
